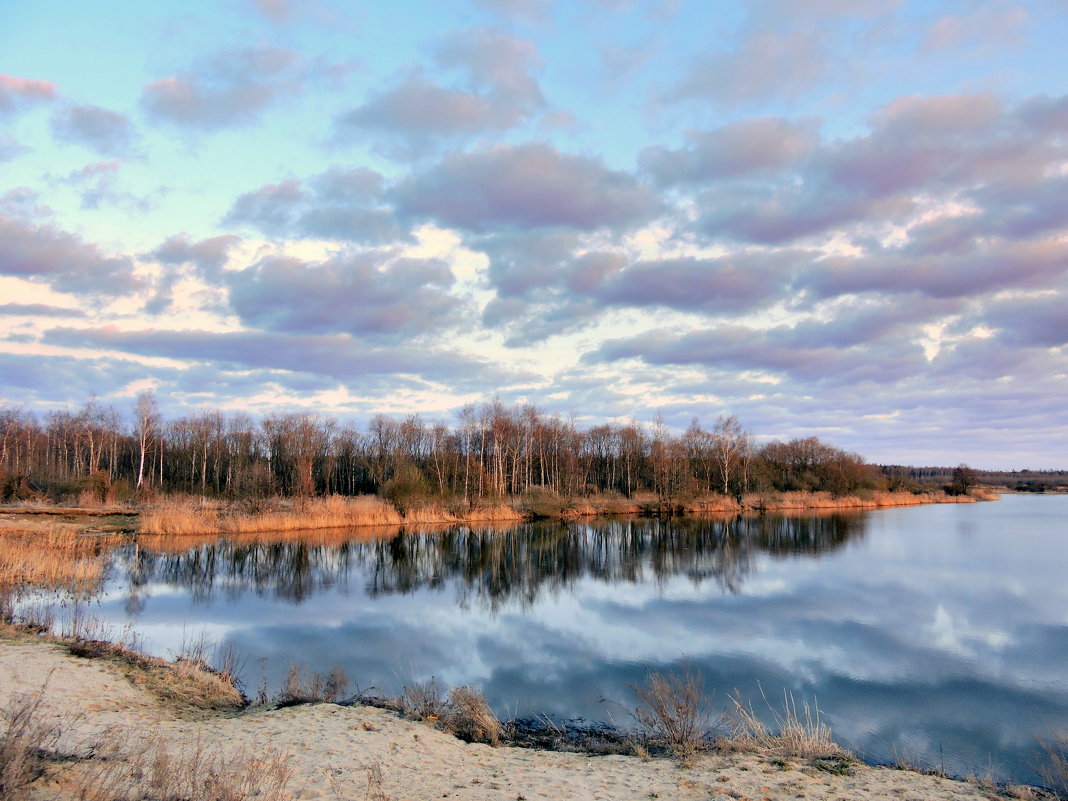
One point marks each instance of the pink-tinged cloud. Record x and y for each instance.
(69, 264)
(527, 186)
(731, 151)
(17, 92)
(107, 132)
(229, 90)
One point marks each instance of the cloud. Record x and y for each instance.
(11, 148)
(497, 93)
(18, 93)
(960, 272)
(756, 145)
(982, 27)
(525, 186)
(49, 254)
(229, 90)
(340, 203)
(97, 182)
(209, 255)
(339, 356)
(1031, 321)
(768, 65)
(369, 294)
(107, 132)
(531, 10)
(273, 9)
(39, 310)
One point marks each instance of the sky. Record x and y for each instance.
(835, 218)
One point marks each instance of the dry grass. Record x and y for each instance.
(799, 731)
(28, 740)
(673, 709)
(301, 688)
(1055, 772)
(123, 767)
(198, 516)
(424, 701)
(471, 719)
(58, 558)
(192, 515)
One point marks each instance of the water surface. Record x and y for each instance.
(933, 634)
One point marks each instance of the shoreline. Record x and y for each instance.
(338, 751)
(195, 515)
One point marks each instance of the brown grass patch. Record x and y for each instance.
(799, 731)
(57, 558)
(470, 717)
(27, 740)
(122, 766)
(198, 516)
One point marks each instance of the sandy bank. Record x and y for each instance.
(335, 750)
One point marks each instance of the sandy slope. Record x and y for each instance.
(332, 748)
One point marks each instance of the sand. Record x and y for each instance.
(334, 749)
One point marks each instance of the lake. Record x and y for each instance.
(933, 634)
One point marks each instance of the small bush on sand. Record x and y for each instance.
(307, 689)
(470, 717)
(673, 709)
(424, 701)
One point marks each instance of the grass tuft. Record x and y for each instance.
(470, 717)
(799, 731)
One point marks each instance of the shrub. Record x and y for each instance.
(673, 708)
(407, 489)
(424, 701)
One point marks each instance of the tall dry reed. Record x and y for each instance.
(57, 559)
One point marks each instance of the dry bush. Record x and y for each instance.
(424, 701)
(1055, 773)
(471, 719)
(300, 688)
(799, 731)
(673, 708)
(28, 740)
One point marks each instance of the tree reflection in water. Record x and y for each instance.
(490, 567)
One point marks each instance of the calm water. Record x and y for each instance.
(938, 634)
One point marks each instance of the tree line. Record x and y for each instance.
(491, 451)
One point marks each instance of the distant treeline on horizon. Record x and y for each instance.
(493, 451)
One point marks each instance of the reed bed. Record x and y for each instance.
(178, 516)
(57, 558)
(191, 515)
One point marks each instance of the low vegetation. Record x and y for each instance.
(1055, 772)
(673, 709)
(463, 712)
(124, 765)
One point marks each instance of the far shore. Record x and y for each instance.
(182, 515)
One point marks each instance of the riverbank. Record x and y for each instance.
(188, 515)
(100, 708)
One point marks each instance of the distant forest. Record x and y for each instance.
(492, 451)
(1015, 480)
